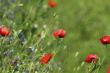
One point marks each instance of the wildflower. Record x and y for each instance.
(4, 31)
(61, 33)
(32, 49)
(108, 71)
(105, 40)
(46, 58)
(91, 58)
(52, 3)
(14, 62)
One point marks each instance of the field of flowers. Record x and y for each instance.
(54, 36)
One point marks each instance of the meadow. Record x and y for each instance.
(32, 23)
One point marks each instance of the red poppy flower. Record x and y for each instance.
(52, 3)
(4, 31)
(108, 71)
(59, 33)
(105, 40)
(46, 58)
(91, 58)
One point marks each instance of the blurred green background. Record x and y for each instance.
(85, 21)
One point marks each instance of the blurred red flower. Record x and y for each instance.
(105, 40)
(52, 3)
(4, 31)
(91, 58)
(46, 58)
(108, 71)
(61, 33)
